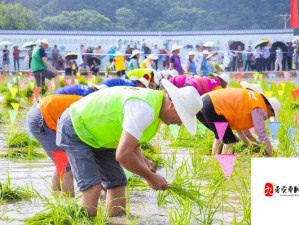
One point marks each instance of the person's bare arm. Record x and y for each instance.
(50, 66)
(127, 156)
(243, 137)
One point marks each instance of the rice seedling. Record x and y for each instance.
(20, 146)
(8, 99)
(241, 186)
(137, 184)
(65, 211)
(153, 154)
(181, 215)
(10, 193)
(180, 189)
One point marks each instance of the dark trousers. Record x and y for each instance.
(289, 62)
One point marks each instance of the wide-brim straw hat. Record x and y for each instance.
(135, 52)
(157, 76)
(175, 47)
(187, 103)
(45, 41)
(275, 104)
(173, 72)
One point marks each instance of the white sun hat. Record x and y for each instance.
(187, 103)
(135, 52)
(164, 73)
(175, 47)
(226, 77)
(191, 53)
(275, 104)
(45, 41)
(157, 76)
(253, 87)
(173, 72)
(153, 57)
(100, 86)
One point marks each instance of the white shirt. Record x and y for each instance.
(138, 115)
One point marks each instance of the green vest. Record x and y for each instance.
(97, 118)
(138, 73)
(37, 62)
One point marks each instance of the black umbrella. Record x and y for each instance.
(91, 59)
(234, 45)
(281, 45)
(71, 56)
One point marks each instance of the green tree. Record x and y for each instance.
(16, 17)
(89, 20)
(125, 18)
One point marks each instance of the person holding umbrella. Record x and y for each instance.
(40, 65)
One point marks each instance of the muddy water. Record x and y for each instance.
(38, 174)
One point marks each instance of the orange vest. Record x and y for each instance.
(236, 104)
(53, 106)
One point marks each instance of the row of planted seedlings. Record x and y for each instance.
(198, 192)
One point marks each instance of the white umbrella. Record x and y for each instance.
(28, 44)
(3, 43)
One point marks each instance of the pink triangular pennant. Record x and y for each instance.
(61, 161)
(221, 128)
(277, 82)
(286, 75)
(227, 162)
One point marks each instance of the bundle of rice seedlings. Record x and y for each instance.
(181, 188)
(153, 154)
(20, 140)
(10, 193)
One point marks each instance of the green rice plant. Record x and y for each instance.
(2, 120)
(241, 186)
(10, 193)
(20, 140)
(97, 80)
(212, 194)
(20, 146)
(153, 154)
(82, 80)
(27, 92)
(3, 87)
(181, 188)
(181, 215)
(137, 184)
(8, 99)
(65, 211)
